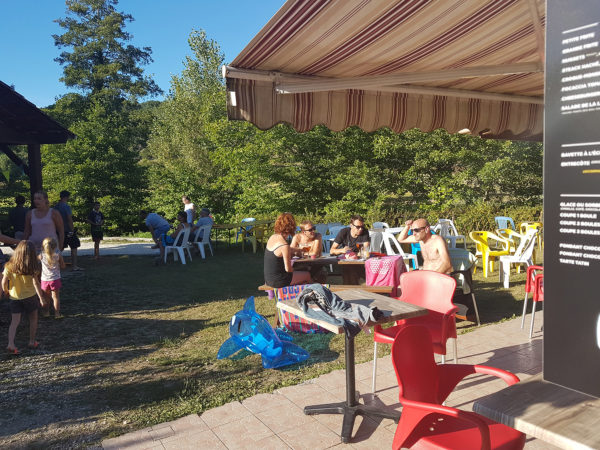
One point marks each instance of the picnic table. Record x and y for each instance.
(547, 411)
(227, 227)
(392, 310)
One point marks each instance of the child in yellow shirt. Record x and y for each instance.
(20, 281)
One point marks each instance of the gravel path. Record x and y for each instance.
(110, 246)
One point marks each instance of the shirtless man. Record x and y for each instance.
(433, 247)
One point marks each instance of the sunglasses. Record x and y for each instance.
(360, 227)
(418, 230)
(311, 229)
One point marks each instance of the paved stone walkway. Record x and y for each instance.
(276, 421)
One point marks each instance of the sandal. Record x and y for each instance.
(13, 351)
(35, 345)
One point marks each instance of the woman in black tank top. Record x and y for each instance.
(278, 268)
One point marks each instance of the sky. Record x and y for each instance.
(27, 49)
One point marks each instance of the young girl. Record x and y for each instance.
(52, 262)
(20, 283)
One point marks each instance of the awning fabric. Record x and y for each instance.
(401, 64)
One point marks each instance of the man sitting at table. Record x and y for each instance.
(311, 244)
(203, 220)
(351, 239)
(433, 247)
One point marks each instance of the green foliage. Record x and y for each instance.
(130, 156)
(101, 164)
(100, 61)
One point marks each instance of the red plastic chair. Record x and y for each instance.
(425, 385)
(431, 290)
(529, 289)
(538, 296)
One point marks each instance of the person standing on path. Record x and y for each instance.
(96, 220)
(71, 238)
(52, 262)
(189, 208)
(42, 222)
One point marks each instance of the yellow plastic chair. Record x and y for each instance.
(256, 237)
(524, 227)
(489, 254)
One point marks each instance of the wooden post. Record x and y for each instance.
(35, 168)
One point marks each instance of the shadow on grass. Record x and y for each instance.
(116, 284)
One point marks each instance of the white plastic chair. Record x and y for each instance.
(202, 238)
(378, 225)
(523, 255)
(179, 244)
(463, 263)
(393, 247)
(446, 229)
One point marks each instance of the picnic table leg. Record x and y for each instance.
(350, 407)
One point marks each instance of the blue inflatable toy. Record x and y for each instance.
(251, 331)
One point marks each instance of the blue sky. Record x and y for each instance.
(27, 49)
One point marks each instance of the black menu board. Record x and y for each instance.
(572, 196)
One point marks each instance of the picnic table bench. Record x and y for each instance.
(343, 287)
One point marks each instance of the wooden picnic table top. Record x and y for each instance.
(392, 309)
(321, 260)
(226, 226)
(343, 287)
(356, 262)
(547, 411)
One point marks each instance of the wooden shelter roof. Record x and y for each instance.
(22, 123)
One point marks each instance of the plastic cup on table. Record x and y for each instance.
(313, 256)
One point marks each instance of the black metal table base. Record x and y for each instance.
(350, 408)
(350, 413)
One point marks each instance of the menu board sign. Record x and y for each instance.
(572, 196)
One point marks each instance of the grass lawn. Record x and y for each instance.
(138, 347)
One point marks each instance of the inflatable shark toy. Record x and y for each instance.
(251, 331)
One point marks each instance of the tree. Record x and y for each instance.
(102, 163)
(190, 131)
(99, 61)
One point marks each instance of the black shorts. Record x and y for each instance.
(27, 305)
(72, 240)
(97, 234)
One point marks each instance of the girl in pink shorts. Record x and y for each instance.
(52, 262)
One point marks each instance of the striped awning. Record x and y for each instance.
(453, 64)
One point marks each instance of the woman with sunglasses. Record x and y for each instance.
(278, 268)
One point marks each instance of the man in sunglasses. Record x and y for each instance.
(433, 247)
(351, 239)
(308, 239)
